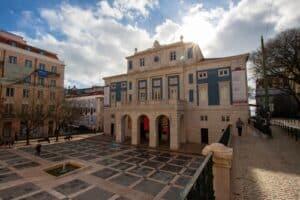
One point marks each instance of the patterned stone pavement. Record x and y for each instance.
(110, 171)
(266, 168)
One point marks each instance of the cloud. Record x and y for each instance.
(95, 41)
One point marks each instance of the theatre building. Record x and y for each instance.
(172, 95)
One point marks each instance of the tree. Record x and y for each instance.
(63, 113)
(282, 58)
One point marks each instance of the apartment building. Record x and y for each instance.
(31, 82)
(90, 103)
(172, 95)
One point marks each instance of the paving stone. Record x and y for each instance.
(150, 187)
(172, 168)
(189, 172)
(105, 173)
(41, 196)
(162, 176)
(161, 159)
(71, 187)
(94, 193)
(107, 162)
(178, 162)
(17, 161)
(26, 165)
(122, 166)
(4, 170)
(173, 194)
(9, 177)
(135, 160)
(142, 171)
(182, 181)
(56, 159)
(145, 156)
(194, 165)
(17, 191)
(120, 157)
(153, 164)
(181, 157)
(88, 157)
(125, 179)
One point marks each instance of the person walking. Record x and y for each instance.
(239, 126)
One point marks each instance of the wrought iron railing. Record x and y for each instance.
(201, 186)
(226, 136)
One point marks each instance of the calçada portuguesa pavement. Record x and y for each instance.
(265, 169)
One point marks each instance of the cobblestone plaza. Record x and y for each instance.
(109, 171)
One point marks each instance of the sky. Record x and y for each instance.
(93, 37)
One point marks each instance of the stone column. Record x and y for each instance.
(174, 128)
(165, 88)
(118, 124)
(135, 138)
(153, 134)
(222, 157)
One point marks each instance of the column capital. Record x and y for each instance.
(222, 155)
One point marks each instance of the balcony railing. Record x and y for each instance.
(201, 184)
(149, 102)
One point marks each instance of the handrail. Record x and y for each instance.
(184, 194)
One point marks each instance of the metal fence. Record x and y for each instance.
(201, 186)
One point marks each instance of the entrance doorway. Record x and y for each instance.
(7, 129)
(112, 129)
(126, 127)
(143, 123)
(204, 135)
(163, 127)
(50, 128)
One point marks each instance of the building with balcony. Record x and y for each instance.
(90, 103)
(31, 86)
(172, 95)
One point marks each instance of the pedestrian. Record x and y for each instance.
(239, 126)
(38, 149)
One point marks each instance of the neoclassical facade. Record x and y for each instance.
(172, 95)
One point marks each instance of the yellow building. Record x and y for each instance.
(172, 95)
(29, 77)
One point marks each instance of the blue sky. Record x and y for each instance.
(93, 36)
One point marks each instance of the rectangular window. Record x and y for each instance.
(129, 97)
(41, 81)
(53, 83)
(12, 59)
(173, 55)
(142, 86)
(40, 94)
(191, 95)
(191, 78)
(130, 85)
(129, 64)
(142, 62)
(54, 69)
(28, 63)
(52, 95)
(8, 108)
(10, 92)
(203, 118)
(223, 72)
(190, 53)
(202, 75)
(42, 66)
(25, 93)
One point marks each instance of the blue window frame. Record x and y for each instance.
(191, 78)
(191, 95)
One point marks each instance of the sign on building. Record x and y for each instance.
(106, 96)
(239, 87)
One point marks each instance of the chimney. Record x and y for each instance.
(135, 50)
(181, 38)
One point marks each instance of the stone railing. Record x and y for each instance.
(291, 125)
(212, 178)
